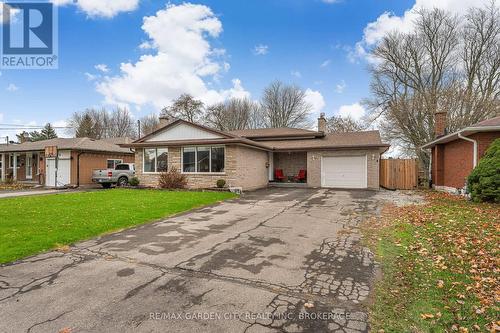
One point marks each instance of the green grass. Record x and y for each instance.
(438, 263)
(29, 225)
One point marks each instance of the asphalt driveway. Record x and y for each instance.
(274, 260)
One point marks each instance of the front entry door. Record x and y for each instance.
(29, 166)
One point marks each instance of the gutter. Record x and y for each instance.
(474, 160)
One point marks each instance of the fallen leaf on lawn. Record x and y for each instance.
(440, 284)
(438, 315)
(463, 329)
(426, 315)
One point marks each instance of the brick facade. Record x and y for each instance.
(291, 163)
(452, 162)
(314, 165)
(90, 161)
(244, 167)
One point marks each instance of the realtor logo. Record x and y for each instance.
(29, 35)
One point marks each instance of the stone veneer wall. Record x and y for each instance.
(244, 167)
(314, 165)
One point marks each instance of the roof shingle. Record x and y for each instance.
(67, 143)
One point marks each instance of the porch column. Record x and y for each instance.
(14, 170)
(271, 165)
(4, 167)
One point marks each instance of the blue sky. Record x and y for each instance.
(312, 43)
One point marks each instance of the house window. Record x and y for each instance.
(155, 160)
(203, 159)
(11, 161)
(113, 163)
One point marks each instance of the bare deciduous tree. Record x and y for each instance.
(149, 124)
(338, 124)
(185, 107)
(285, 106)
(100, 124)
(234, 114)
(447, 63)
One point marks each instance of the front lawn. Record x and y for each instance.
(440, 267)
(34, 224)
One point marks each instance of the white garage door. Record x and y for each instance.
(344, 172)
(60, 176)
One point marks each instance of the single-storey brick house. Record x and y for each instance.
(249, 158)
(62, 161)
(455, 155)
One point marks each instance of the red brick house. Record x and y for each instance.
(61, 161)
(455, 155)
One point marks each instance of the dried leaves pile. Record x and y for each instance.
(448, 256)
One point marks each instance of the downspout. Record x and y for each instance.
(78, 168)
(474, 160)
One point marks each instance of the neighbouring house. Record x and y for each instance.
(455, 155)
(250, 158)
(62, 161)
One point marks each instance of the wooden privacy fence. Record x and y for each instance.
(399, 174)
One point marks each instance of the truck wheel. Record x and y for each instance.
(106, 185)
(122, 181)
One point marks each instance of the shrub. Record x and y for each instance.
(484, 181)
(134, 181)
(172, 179)
(221, 183)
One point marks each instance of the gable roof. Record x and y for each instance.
(85, 144)
(488, 125)
(181, 121)
(269, 139)
(276, 132)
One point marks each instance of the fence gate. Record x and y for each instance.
(399, 174)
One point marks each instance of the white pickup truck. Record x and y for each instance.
(119, 176)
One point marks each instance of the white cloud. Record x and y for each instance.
(296, 74)
(387, 22)
(355, 111)
(237, 91)
(261, 49)
(340, 87)
(315, 99)
(101, 8)
(12, 87)
(90, 77)
(102, 67)
(182, 60)
(62, 132)
(325, 63)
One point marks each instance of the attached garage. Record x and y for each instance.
(344, 171)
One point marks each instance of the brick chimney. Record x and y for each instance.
(322, 122)
(439, 124)
(24, 137)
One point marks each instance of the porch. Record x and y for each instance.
(26, 167)
(288, 168)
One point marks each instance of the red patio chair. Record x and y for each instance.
(301, 176)
(278, 175)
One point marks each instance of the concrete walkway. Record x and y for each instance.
(23, 193)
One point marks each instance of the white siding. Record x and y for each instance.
(183, 132)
